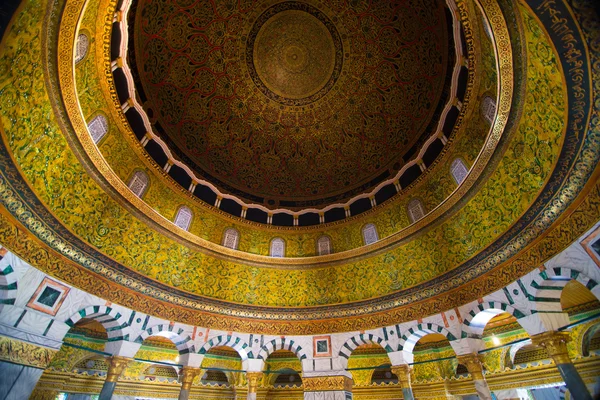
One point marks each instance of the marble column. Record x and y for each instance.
(403, 373)
(21, 366)
(555, 344)
(187, 378)
(116, 366)
(475, 368)
(253, 378)
(327, 387)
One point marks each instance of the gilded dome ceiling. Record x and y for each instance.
(301, 102)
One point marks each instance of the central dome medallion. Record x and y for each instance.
(294, 53)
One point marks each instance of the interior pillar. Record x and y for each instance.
(473, 364)
(21, 366)
(253, 378)
(187, 378)
(555, 344)
(403, 373)
(116, 366)
(327, 387)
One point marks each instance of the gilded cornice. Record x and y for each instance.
(24, 353)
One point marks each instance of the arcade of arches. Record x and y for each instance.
(299, 199)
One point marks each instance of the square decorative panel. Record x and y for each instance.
(322, 346)
(591, 244)
(48, 297)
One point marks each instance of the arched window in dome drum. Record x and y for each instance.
(183, 217)
(81, 47)
(415, 210)
(459, 170)
(370, 235)
(277, 248)
(231, 238)
(324, 245)
(488, 109)
(138, 183)
(98, 127)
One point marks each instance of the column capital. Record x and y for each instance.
(116, 366)
(403, 372)
(555, 343)
(187, 375)
(327, 383)
(253, 378)
(473, 363)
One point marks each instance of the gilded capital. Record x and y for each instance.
(473, 364)
(403, 373)
(327, 383)
(187, 376)
(555, 344)
(253, 378)
(116, 366)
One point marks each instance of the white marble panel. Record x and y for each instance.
(34, 322)
(27, 285)
(29, 337)
(10, 314)
(542, 322)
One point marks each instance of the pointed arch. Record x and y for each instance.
(114, 322)
(233, 341)
(183, 343)
(281, 344)
(358, 340)
(547, 287)
(476, 319)
(512, 352)
(416, 332)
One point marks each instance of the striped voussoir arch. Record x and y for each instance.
(235, 342)
(8, 285)
(494, 306)
(183, 343)
(414, 333)
(360, 339)
(114, 322)
(548, 285)
(281, 344)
